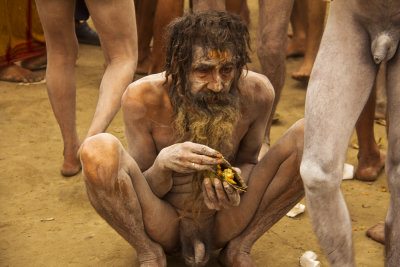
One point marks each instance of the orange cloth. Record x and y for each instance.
(21, 34)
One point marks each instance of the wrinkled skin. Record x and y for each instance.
(141, 192)
(358, 36)
(154, 16)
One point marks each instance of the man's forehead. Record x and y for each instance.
(222, 55)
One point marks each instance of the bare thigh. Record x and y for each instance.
(393, 98)
(57, 18)
(268, 180)
(115, 23)
(120, 193)
(341, 81)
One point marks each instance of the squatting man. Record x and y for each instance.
(205, 108)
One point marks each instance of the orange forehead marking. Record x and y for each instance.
(218, 54)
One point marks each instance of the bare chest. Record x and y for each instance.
(163, 134)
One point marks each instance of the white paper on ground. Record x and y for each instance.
(309, 259)
(348, 171)
(296, 210)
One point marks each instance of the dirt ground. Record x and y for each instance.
(47, 220)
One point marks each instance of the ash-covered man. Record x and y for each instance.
(179, 126)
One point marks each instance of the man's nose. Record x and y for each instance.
(215, 84)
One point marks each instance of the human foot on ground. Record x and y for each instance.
(72, 164)
(369, 167)
(234, 256)
(15, 73)
(35, 63)
(152, 257)
(304, 72)
(377, 232)
(296, 47)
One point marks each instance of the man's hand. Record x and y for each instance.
(220, 196)
(188, 157)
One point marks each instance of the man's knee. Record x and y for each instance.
(127, 62)
(100, 158)
(298, 131)
(320, 177)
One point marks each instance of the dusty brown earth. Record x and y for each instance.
(47, 220)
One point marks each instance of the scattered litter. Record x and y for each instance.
(296, 210)
(308, 259)
(348, 171)
(47, 219)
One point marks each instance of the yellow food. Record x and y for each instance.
(229, 176)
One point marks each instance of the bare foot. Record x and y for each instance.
(15, 73)
(36, 63)
(72, 164)
(377, 232)
(155, 257)
(154, 263)
(304, 72)
(233, 256)
(369, 167)
(296, 47)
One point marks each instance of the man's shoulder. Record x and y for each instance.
(256, 84)
(147, 93)
(148, 88)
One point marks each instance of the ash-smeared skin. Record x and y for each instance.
(211, 70)
(358, 35)
(142, 193)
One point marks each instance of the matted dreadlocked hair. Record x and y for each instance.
(210, 29)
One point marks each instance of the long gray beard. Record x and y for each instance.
(209, 124)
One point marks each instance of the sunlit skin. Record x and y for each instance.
(359, 36)
(211, 70)
(141, 192)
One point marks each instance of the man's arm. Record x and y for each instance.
(259, 96)
(142, 106)
(140, 142)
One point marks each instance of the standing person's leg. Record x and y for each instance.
(392, 225)
(166, 11)
(57, 17)
(315, 14)
(271, 46)
(381, 99)
(240, 8)
(336, 95)
(370, 159)
(199, 5)
(119, 45)
(298, 19)
(145, 11)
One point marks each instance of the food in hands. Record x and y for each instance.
(225, 172)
